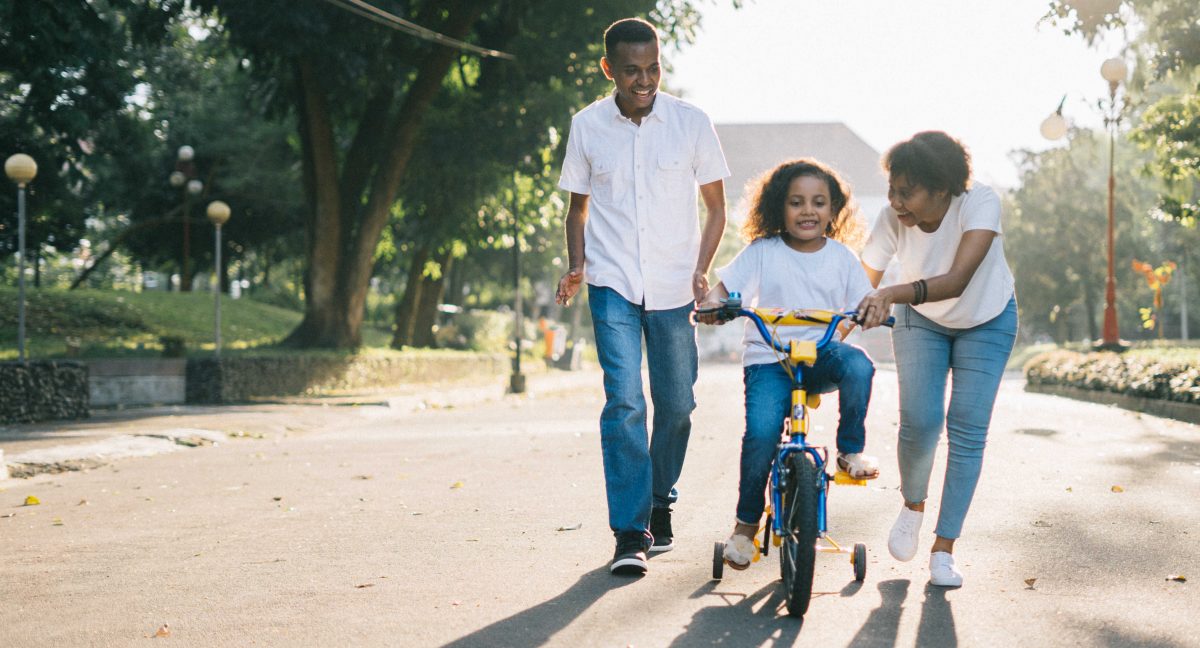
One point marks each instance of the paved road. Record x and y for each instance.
(478, 520)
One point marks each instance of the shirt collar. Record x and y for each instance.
(658, 111)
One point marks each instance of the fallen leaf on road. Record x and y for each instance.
(32, 501)
(363, 477)
(82, 502)
(364, 585)
(8, 515)
(1069, 489)
(163, 632)
(573, 527)
(1042, 524)
(1030, 582)
(457, 484)
(1177, 578)
(57, 522)
(276, 498)
(1118, 489)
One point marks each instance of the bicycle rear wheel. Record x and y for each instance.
(798, 553)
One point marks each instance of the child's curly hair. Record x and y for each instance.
(768, 195)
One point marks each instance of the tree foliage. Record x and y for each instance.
(66, 68)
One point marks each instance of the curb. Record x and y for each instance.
(1186, 412)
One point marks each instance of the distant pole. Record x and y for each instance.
(517, 381)
(21, 169)
(218, 213)
(1183, 329)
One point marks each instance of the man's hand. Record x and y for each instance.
(699, 286)
(708, 318)
(569, 286)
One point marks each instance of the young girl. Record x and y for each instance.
(793, 261)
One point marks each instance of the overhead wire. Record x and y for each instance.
(375, 14)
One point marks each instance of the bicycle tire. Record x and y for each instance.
(799, 551)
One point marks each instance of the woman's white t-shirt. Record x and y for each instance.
(769, 274)
(928, 254)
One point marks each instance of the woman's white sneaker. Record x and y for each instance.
(902, 541)
(942, 571)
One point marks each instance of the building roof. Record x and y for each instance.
(751, 149)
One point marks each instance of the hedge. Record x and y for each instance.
(1144, 376)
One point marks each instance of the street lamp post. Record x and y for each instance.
(1113, 70)
(184, 178)
(516, 382)
(21, 169)
(218, 213)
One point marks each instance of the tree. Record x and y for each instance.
(361, 93)
(1165, 88)
(1060, 278)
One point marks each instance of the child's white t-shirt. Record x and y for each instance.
(769, 274)
(929, 254)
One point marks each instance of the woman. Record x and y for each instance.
(956, 316)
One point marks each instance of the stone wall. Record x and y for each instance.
(43, 391)
(241, 379)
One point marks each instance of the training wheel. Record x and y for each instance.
(859, 560)
(718, 560)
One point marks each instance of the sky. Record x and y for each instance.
(984, 71)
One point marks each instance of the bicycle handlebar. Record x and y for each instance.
(731, 308)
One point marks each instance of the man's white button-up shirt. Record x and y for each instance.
(642, 236)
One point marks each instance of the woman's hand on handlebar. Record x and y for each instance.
(874, 309)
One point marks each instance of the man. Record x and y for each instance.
(633, 163)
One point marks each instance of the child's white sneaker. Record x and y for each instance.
(740, 548)
(942, 571)
(902, 541)
(858, 465)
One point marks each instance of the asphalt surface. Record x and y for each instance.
(464, 517)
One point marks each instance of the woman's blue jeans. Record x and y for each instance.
(974, 359)
(640, 472)
(842, 367)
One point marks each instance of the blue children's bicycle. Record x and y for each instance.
(799, 481)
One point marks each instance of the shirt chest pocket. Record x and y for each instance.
(604, 179)
(674, 174)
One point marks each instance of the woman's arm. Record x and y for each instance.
(972, 249)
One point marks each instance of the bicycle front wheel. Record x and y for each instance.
(799, 552)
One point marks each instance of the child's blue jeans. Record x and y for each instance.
(842, 367)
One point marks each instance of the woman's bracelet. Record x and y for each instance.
(920, 292)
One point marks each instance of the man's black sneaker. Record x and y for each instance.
(660, 528)
(630, 557)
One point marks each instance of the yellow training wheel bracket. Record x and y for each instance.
(798, 317)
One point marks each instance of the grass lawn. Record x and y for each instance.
(117, 323)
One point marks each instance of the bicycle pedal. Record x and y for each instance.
(844, 478)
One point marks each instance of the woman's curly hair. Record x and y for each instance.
(768, 196)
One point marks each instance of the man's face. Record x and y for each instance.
(635, 70)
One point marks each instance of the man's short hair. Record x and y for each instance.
(627, 30)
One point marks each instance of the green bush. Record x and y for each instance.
(1166, 374)
(476, 330)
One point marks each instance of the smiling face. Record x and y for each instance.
(917, 205)
(635, 71)
(807, 213)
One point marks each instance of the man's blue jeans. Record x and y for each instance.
(641, 471)
(926, 353)
(842, 367)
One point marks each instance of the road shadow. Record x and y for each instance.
(937, 620)
(535, 626)
(736, 621)
(881, 627)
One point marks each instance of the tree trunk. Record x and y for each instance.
(1089, 303)
(342, 234)
(427, 306)
(406, 306)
